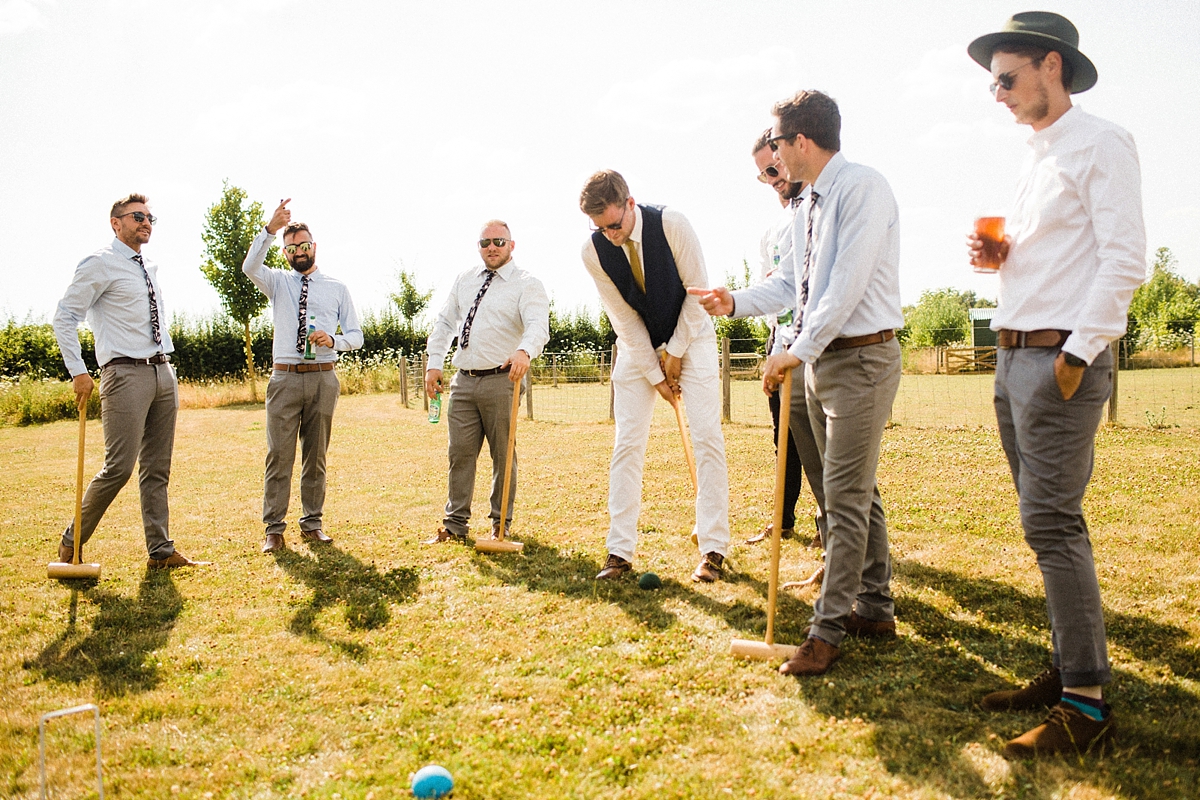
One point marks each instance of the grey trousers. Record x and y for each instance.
(298, 403)
(1050, 444)
(138, 406)
(800, 432)
(479, 409)
(850, 394)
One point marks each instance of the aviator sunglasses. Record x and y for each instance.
(139, 217)
(499, 241)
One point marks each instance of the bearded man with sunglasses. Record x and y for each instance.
(314, 320)
(500, 314)
(1074, 254)
(116, 290)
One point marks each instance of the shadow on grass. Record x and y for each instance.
(338, 577)
(124, 634)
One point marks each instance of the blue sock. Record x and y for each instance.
(1094, 708)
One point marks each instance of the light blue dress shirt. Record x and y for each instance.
(328, 300)
(109, 291)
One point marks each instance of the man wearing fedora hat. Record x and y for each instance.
(1074, 253)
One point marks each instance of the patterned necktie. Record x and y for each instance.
(466, 331)
(302, 332)
(808, 246)
(155, 329)
(635, 265)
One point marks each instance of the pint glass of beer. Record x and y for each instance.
(990, 230)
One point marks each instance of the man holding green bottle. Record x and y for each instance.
(314, 318)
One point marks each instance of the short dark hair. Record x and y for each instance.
(118, 208)
(1037, 54)
(295, 227)
(762, 141)
(813, 115)
(605, 188)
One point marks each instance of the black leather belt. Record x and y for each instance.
(161, 358)
(846, 342)
(1045, 338)
(324, 366)
(483, 373)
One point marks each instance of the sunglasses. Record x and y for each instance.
(499, 241)
(1008, 79)
(769, 174)
(139, 217)
(773, 142)
(616, 226)
(303, 247)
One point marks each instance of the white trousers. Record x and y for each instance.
(633, 405)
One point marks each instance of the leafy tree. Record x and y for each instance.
(1164, 309)
(938, 319)
(229, 228)
(410, 301)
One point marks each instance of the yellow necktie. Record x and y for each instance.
(635, 264)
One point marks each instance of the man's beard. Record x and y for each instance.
(302, 263)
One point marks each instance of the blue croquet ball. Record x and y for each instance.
(648, 580)
(432, 781)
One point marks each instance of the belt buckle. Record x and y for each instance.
(1022, 338)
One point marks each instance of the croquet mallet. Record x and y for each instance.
(767, 650)
(498, 544)
(57, 570)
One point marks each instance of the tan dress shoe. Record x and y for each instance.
(1066, 730)
(173, 561)
(66, 555)
(765, 534)
(317, 536)
(444, 535)
(814, 657)
(710, 569)
(273, 542)
(614, 567)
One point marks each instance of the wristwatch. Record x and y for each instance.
(1073, 360)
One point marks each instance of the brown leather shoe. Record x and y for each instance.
(1066, 730)
(818, 541)
(765, 534)
(317, 536)
(870, 628)
(496, 529)
(1043, 691)
(66, 555)
(614, 567)
(710, 569)
(174, 560)
(444, 535)
(273, 542)
(814, 657)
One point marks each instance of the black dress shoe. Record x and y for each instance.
(614, 567)
(273, 542)
(317, 535)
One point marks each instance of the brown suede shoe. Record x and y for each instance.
(765, 534)
(444, 535)
(870, 628)
(176, 559)
(273, 542)
(614, 567)
(66, 555)
(814, 657)
(1043, 691)
(710, 568)
(316, 536)
(1066, 730)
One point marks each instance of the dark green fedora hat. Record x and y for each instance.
(1043, 29)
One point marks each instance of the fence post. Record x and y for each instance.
(554, 369)
(404, 380)
(424, 368)
(1112, 400)
(612, 392)
(726, 415)
(1192, 360)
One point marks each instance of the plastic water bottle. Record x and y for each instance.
(435, 408)
(309, 354)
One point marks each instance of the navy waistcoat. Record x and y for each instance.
(659, 307)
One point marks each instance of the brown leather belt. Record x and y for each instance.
(483, 373)
(846, 342)
(1045, 338)
(324, 366)
(161, 358)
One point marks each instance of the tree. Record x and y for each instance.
(1163, 312)
(229, 228)
(939, 318)
(410, 301)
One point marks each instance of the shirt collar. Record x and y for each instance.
(636, 234)
(124, 249)
(1045, 138)
(828, 175)
(504, 272)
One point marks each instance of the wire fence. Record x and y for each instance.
(1159, 389)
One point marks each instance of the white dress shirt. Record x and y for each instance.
(513, 315)
(109, 290)
(775, 254)
(328, 300)
(854, 273)
(631, 331)
(1078, 240)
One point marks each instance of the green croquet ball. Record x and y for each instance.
(648, 580)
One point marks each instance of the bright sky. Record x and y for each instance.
(399, 127)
